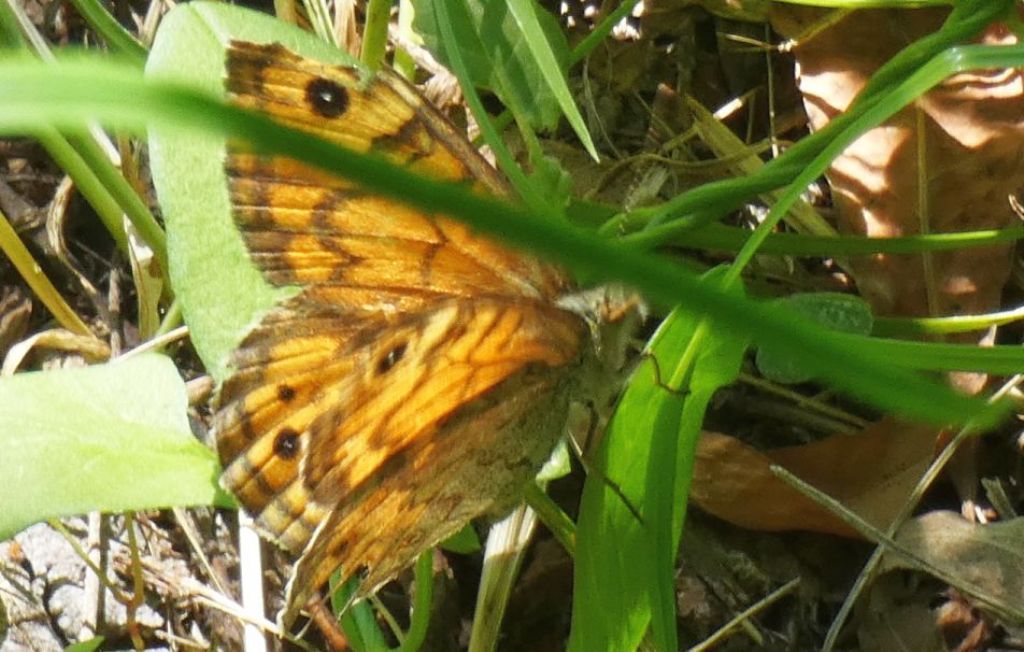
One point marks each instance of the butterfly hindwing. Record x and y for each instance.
(439, 436)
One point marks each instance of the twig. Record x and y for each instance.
(765, 602)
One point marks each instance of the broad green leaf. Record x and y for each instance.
(222, 294)
(842, 312)
(623, 572)
(110, 438)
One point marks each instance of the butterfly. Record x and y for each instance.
(422, 373)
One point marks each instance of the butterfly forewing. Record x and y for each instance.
(384, 116)
(419, 376)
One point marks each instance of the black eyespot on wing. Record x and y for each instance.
(326, 97)
(286, 393)
(392, 358)
(286, 444)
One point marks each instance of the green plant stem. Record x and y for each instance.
(116, 36)
(375, 33)
(403, 62)
(171, 320)
(424, 574)
(601, 31)
(551, 515)
(906, 327)
(112, 184)
(727, 238)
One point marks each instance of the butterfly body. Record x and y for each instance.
(420, 374)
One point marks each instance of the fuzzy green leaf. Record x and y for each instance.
(111, 437)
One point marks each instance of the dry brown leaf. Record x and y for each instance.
(946, 163)
(871, 472)
(989, 558)
(896, 617)
(964, 627)
(91, 348)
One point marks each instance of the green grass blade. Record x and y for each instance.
(602, 30)
(553, 72)
(86, 646)
(81, 156)
(110, 194)
(720, 237)
(908, 327)
(624, 565)
(32, 273)
(89, 88)
(358, 621)
(883, 106)
(117, 37)
(930, 356)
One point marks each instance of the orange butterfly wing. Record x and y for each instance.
(422, 373)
